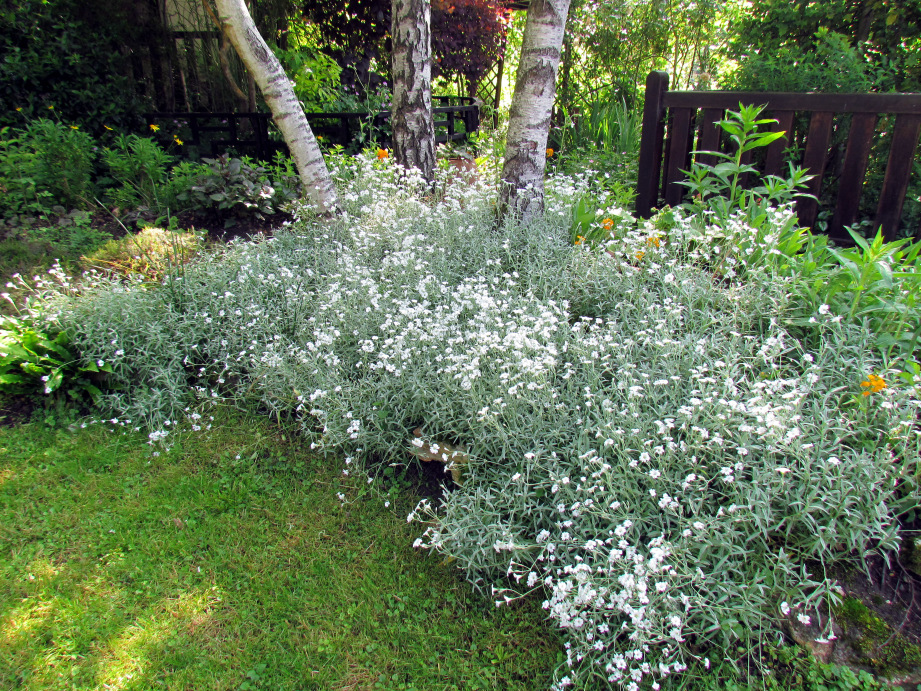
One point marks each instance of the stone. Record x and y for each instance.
(812, 636)
(453, 457)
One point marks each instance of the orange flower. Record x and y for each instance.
(19, 109)
(653, 241)
(607, 223)
(640, 255)
(873, 384)
(549, 152)
(579, 239)
(382, 154)
(177, 140)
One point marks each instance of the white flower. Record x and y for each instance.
(785, 608)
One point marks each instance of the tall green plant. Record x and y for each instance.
(719, 188)
(63, 161)
(140, 168)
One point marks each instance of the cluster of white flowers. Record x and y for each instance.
(645, 440)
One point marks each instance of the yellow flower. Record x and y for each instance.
(382, 154)
(19, 109)
(108, 128)
(873, 384)
(155, 128)
(640, 255)
(579, 239)
(549, 152)
(653, 241)
(607, 223)
(75, 127)
(50, 107)
(177, 140)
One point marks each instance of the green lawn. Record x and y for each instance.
(124, 570)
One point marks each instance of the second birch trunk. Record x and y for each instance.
(521, 188)
(413, 126)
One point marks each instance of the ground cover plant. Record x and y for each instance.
(648, 433)
(229, 563)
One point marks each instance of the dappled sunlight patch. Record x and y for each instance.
(23, 622)
(128, 654)
(152, 252)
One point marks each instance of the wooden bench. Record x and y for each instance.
(678, 123)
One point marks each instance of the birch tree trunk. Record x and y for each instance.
(413, 127)
(279, 95)
(521, 188)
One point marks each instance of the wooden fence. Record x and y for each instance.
(678, 124)
(212, 134)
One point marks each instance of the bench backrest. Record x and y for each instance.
(677, 123)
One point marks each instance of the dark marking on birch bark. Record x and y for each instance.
(257, 45)
(546, 52)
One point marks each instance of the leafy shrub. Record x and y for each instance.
(34, 361)
(831, 65)
(238, 186)
(19, 193)
(315, 76)
(45, 164)
(652, 447)
(139, 166)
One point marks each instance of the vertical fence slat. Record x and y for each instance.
(650, 163)
(817, 141)
(859, 143)
(895, 184)
(709, 137)
(679, 146)
(774, 159)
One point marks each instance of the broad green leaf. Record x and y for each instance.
(54, 381)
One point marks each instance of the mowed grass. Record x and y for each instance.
(195, 569)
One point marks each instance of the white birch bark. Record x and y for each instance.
(278, 92)
(411, 113)
(521, 188)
